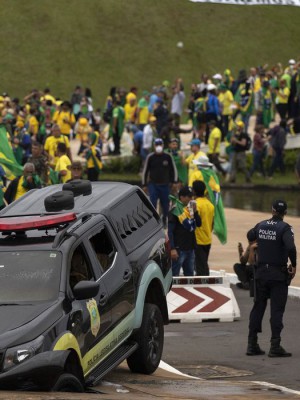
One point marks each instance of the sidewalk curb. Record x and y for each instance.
(294, 291)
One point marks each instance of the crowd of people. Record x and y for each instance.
(36, 135)
(40, 127)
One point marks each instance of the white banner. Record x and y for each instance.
(253, 2)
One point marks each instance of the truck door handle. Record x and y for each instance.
(127, 275)
(103, 299)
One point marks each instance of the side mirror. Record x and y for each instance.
(85, 290)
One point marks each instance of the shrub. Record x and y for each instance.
(129, 164)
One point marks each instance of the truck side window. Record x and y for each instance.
(104, 248)
(80, 268)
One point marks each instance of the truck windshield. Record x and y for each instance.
(27, 276)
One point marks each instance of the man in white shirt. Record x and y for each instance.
(177, 101)
(149, 133)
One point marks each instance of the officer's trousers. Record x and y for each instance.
(277, 292)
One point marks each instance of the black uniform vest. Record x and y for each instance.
(271, 249)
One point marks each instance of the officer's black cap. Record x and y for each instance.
(279, 206)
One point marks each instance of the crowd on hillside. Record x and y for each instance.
(39, 128)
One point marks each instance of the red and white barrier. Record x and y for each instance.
(202, 298)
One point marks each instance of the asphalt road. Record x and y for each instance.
(213, 349)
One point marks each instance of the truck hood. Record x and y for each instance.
(14, 316)
(22, 323)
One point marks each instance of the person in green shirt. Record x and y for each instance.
(117, 125)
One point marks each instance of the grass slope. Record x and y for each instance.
(101, 43)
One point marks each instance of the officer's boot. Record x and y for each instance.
(253, 348)
(276, 350)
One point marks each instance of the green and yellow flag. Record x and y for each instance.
(7, 157)
(214, 191)
(179, 209)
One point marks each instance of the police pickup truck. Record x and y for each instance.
(84, 274)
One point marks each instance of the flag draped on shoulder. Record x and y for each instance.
(178, 209)
(7, 157)
(214, 191)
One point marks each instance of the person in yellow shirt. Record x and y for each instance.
(48, 96)
(130, 110)
(82, 131)
(282, 98)
(195, 154)
(132, 94)
(203, 234)
(51, 143)
(21, 185)
(201, 162)
(214, 143)
(92, 154)
(226, 99)
(142, 112)
(64, 118)
(63, 163)
(33, 124)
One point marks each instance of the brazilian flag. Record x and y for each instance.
(214, 192)
(1, 197)
(53, 177)
(179, 209)
(7, 158)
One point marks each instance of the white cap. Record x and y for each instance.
(211, 86)
(217, 76)
(292, 61)
(203, 161)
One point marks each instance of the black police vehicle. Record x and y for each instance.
(84, 274)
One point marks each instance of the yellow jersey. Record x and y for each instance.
(62, 165)
(65, 120)
(189, 161)
(195, 176)
(206, 211)
(51, 147)
(20, 189)
(215, 134)
(226, 99)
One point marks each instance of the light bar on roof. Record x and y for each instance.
(15, 224)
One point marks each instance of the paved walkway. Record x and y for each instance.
(238, 223)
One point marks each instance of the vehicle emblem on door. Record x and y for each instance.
(95, 317)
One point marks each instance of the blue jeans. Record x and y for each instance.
(258, 162)
(277, 162)
(186, 261)
(160, 192)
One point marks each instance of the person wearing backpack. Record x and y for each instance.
(241, 142)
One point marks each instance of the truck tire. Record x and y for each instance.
(68, 383)
(150, 339)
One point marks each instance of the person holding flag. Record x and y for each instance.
(203, 233)
(22, 184)
(7, 157)
(210, 178)
(183, 219)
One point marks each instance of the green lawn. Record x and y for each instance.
(102, 43)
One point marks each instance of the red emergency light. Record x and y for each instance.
(15, 224)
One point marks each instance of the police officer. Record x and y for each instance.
(275, 245)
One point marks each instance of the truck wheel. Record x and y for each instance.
(68, 383)
(150, 339)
